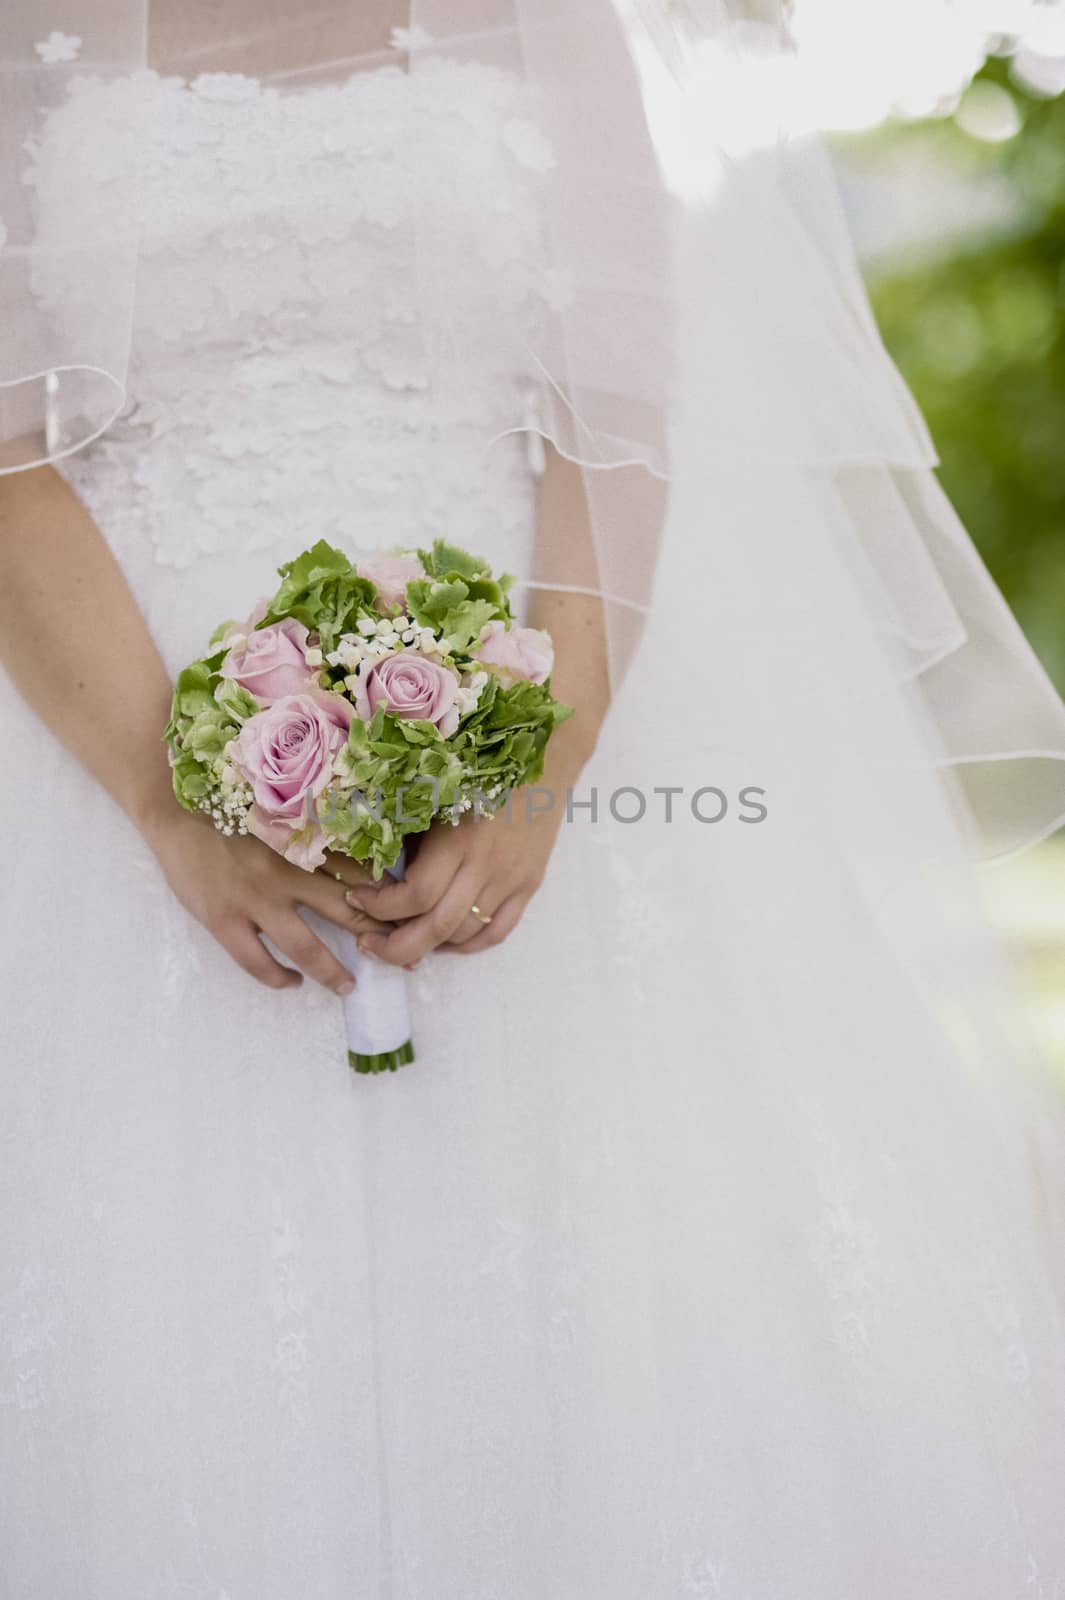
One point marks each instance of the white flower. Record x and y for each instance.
(366, 626)
(351, 682)
(384, 626)
(410, 39)
(470, 693)
(313, 657)
(59, 47)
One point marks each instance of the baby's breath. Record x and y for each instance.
(228, 804)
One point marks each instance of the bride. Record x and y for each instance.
(712, 1245)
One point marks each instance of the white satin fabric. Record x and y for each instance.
(712, 1247)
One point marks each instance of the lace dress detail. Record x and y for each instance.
(286, 381)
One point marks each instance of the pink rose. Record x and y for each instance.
(271, 663)
(304, 848)
(240, 630)
(287, 752)
(390, 575)
(411, 686)
(516, 654)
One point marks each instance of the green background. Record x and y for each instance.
(978, 329)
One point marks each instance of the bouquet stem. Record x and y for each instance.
(388, 1062)
(377, 1015)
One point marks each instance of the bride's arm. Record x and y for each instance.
(499, 867)
(576, 622)
(78, 651)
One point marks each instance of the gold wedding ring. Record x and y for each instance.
(475, 911)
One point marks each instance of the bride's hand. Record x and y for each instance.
(495, 866)
(238, 888)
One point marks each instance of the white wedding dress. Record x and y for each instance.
(685, 1261)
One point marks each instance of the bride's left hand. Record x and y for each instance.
(496, 866)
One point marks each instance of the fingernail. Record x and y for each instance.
(353, 900)
(346, 988)
(412, 966)
(363, 942)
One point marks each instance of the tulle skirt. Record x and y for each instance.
(708, 1248)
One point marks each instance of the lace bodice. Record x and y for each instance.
(316, 347)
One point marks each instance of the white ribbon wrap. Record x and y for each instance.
(377, 1014)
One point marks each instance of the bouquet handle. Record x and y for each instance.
(377, 1014)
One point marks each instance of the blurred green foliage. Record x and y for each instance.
(979, 334)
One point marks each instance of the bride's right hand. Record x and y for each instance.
(238, 888)
(55, 562)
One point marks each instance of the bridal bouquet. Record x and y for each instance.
(359, 704)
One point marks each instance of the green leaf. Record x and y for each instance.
(194, 690)
(430, 600)
(191, 781)
(322, 560)
(322, 590)
(449, 560)
(208, 735)
(235, 700)
(462, 625)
